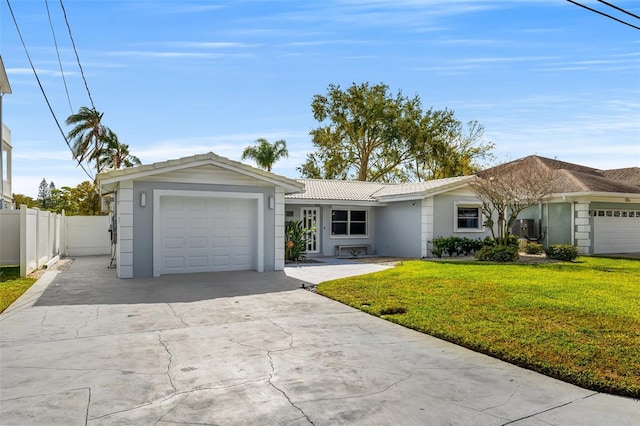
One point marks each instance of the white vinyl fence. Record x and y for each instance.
(87, 235)
(32, 238)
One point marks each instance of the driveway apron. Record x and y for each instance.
(84, 348)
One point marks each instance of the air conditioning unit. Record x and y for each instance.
(525, 228)
(106, 203)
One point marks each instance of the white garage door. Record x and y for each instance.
(616, 231)
(206, 234)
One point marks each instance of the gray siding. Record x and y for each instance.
(143, 221)
(398, 229)
(329, 242)
(326, 240)
(443, 216)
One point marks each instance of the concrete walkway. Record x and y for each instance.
(84, 348)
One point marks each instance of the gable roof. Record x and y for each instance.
(111, 177)
(373, 192)
(574, 178)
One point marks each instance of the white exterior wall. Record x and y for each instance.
(279, 230)
(582, 234)
(10, 241)
(124, 247)
(30, 238)
(427, 225)
(87, 236)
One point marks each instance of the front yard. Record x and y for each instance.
(578, 322)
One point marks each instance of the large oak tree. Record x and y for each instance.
(369, 134)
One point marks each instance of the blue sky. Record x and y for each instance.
(177, 78)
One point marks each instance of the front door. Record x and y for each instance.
(310, 221)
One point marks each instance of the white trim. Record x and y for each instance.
(349, 236)
(470, 204)
(114, 176)
(317, 231)
(157, 193)
(279, 217)
(340, 203)
(427, 225)
(582, 233)
(124, 218)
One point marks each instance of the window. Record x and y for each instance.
(467, 217)
(349, 222)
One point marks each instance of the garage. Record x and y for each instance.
(198, 214)
(616, 231)
(204, 234)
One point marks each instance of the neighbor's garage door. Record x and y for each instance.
(207, 234)
(616, 231)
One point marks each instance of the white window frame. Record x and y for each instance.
(470, 205)
(367, 213)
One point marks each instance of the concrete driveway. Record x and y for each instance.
(84, 348)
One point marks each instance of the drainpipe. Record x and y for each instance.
(573, 223)
(1, 155)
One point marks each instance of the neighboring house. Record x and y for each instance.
(596, 210)
(197, 214)
(6, 200)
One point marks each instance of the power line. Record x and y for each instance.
(55, 42)
(604, 14)
(15, 22)
(64, 12)
(619, 8)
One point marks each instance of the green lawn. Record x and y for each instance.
(11, 285)
(579, 322)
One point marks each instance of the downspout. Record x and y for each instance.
(1, 156)
(573, 223)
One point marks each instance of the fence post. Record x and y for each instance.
(23, 240)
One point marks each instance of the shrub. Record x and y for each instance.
(295, 247)
(467, 245)
(453, 246)
(533, 248)
(439, 244)
(565, 252)
(498, 254)
(488, 242)
(512, 240)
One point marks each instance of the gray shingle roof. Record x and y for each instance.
(576, 178)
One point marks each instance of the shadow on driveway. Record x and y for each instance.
(89, 282)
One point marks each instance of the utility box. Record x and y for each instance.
(525, 228)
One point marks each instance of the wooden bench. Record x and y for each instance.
(338, 248)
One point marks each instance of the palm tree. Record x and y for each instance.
(87, 135)
(114, 155)
(265, 153)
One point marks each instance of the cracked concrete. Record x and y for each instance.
(198, 353)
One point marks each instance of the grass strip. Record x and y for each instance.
(12, 286)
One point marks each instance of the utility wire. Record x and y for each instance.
(15, 22)
(55, 42)
(619, 8)
(604, 14)
(76, 52)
